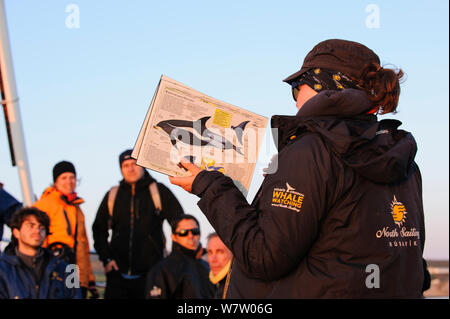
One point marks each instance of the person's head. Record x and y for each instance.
(30, 227)
(218, 254)
(186, 231)
(65, 177)
(130, 171)
(339, 64)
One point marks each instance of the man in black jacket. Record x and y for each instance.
(137, 241)
(183, 274)
(342, 216)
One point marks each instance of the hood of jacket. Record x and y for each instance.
(377, 150)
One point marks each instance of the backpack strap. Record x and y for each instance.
(111, 199)
(154, 192)
(153, 187)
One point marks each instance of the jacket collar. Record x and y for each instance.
(319, 110)
(220, 275)
(184, 251)
(378, 151)
(12, 258)
(53, 193)
(143, 183)
(30, 260)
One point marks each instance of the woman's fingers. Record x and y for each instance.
(191, 167)
(186, 182)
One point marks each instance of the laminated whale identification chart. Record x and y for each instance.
(184, 123)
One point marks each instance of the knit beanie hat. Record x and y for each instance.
(63, 167)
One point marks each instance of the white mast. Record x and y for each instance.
(11, 101)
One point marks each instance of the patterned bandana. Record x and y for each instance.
(321, 79)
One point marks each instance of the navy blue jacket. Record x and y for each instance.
(8, 205)
(17, 280)
(342, 216)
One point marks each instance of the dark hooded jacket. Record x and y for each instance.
(8, 205)
(341, 217)
(180, 276)
(48, 280)
(137, 241)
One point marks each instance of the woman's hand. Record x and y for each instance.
(186, 182)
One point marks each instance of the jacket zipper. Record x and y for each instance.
(130, 244)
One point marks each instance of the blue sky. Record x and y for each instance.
(84, 92)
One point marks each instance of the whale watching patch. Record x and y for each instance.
(287, 198)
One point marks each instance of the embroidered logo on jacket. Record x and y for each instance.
(399, 236)
(287, 198)
(398, 212)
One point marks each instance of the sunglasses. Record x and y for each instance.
(295, 88)
(185, 232)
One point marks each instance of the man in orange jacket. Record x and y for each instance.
(67, 226)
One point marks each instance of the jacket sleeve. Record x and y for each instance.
(171, 207)
(8, 205)
(100, 231)
(83, 252)
(426, 274)
(422, 214)
(160, 283)
(269, 239)
(3, 288)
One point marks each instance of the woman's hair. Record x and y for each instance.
(382, 86)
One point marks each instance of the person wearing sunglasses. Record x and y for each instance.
(183, 274)
(341, 216)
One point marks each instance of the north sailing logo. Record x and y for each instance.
(399, 236)
(398, 212)
(287, 198)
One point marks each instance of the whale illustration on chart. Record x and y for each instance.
(178, 134)
(200, 126)
(174, 129)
